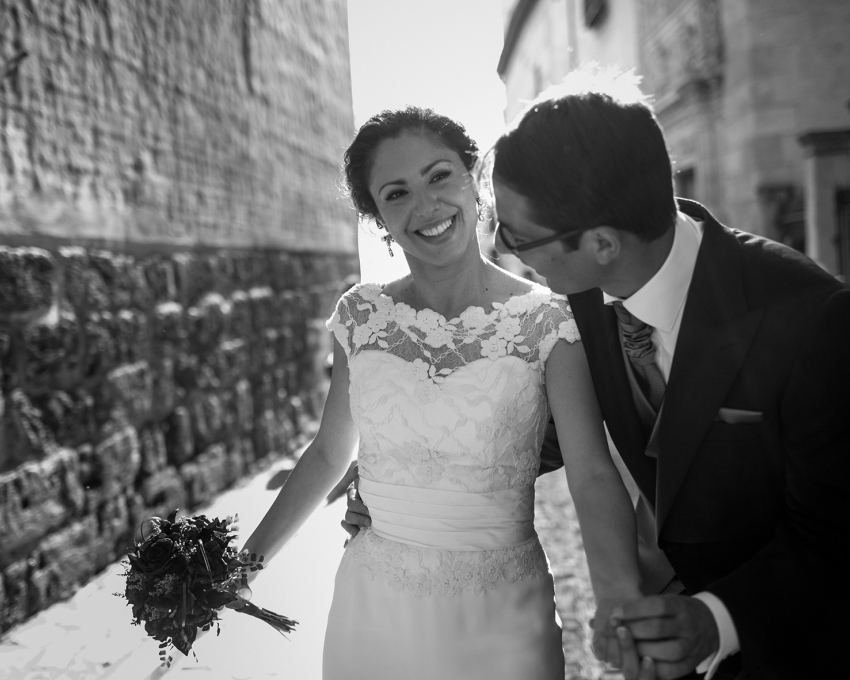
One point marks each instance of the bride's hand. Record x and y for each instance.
(605, 641)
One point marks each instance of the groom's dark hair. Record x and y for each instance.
(590, 152)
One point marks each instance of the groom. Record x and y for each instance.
(721, 362)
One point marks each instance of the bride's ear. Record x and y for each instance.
(605, 244)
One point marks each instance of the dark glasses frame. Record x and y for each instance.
(500, 234)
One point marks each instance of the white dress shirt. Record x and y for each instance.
(660, 303)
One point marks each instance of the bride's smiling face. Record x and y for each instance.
(425, 197)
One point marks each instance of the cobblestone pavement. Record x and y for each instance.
(557, 526)
(89, 637)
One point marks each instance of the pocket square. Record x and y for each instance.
(737, 416)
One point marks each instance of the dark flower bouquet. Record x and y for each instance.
(183, 573)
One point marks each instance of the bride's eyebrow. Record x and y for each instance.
(423, 171)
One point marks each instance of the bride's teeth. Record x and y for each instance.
(439, 229)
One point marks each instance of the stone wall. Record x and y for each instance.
(171, 237)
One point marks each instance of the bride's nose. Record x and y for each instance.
(426, 204)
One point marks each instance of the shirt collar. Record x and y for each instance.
(659, 302)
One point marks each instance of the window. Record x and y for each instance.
(595, 12)
(685, 181)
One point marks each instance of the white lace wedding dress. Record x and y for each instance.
(450, 581)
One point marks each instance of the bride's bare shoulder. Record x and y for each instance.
(398, 289)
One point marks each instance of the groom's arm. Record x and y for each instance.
(789, 598)
(809, 547)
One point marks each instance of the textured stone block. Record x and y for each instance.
(273, 434)
(63, 561)
(206, 475)
(244, 404)
(168, 325)
(195, 276)
(132, 386)
(164, 492)
(235, 360)
(51, 352)
(27, 281)
(68, 415)
(207, 418)
(101, 350)
(118, 458)
(17, 605)
(25, 436)
(154, 453)
(35, 499)
(240, 316)
(178, 436)
(132, 336)
(113, 270)
(83, 285)
(159, 272)
(114, 529)
(208, 322)
(165, 390)
(262, 308)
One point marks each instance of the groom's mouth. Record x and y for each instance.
(437, 232)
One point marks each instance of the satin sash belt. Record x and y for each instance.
(450, 520)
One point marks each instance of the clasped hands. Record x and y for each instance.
(655, 636)
(647, 637)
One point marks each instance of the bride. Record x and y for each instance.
(440, 384)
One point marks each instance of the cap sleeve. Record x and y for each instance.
(560, 324)
(341, 322)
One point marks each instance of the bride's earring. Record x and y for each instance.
(388, 239)
(480, 204)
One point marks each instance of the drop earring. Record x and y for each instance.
(388, 239)
(480, 204)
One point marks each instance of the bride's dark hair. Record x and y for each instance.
(360, 155)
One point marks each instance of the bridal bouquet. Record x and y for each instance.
(183, 573)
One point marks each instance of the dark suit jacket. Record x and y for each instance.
(757, 513)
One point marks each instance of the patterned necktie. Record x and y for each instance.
(637, 343)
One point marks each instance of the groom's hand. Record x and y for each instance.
(357, 515)
(677, 631)
(605, 643)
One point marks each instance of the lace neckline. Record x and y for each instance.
(535, 290)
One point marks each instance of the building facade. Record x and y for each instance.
(752, 95)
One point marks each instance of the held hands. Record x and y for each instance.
(605, 642)
(677, 632)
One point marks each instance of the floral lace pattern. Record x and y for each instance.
(454, 404)
(425, 571)
(366, 319)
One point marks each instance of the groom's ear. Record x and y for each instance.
(604, 244)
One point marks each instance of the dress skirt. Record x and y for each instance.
(508, 631)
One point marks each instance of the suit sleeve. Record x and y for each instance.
(792, 595)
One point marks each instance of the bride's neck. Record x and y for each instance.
(448, 291)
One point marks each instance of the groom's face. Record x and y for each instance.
(566, 271)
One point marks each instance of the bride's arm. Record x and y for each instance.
(603, 505)
(320, 467)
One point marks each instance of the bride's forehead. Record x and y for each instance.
(411, 150)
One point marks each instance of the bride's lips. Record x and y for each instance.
(438, 232)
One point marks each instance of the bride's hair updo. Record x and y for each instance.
(360, 155)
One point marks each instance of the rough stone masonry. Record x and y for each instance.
(170, 234)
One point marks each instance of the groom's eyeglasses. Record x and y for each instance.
(507, 239)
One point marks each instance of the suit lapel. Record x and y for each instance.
(597, 324)
(716, 333)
